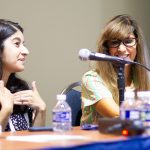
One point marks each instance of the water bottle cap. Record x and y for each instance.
(129, 94)
(61, 97)
(143, 93)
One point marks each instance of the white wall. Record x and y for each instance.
(55, 30)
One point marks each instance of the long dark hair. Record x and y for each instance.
(14, 83)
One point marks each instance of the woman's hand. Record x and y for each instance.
(6, 105)
(30, 98)
(6, 99)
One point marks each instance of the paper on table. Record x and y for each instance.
(46, 138)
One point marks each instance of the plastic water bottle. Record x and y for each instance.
(128, 109)
(144, 96)
(62, 117)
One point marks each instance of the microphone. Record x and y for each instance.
(85, 54)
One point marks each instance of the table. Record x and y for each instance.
(95, 140)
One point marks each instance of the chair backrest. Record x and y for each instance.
(74, 101)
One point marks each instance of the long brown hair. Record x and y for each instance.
(119, 28)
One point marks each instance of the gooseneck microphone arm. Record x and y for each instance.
(85, 54)
(136, 63)
(103, 57)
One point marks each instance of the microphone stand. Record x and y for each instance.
(121, 82)
(121, 79)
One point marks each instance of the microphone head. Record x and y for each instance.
(84, 54)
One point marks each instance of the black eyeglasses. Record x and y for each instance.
(128, 42)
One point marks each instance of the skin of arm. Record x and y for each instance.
(107, 107)
(39, 117)
(40, 114)
(6, 105)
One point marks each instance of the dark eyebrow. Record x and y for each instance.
(18, 38)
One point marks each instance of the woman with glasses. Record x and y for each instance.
(121, 37)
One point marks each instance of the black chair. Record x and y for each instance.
(74, 101)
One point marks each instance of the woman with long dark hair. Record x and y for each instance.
(20, 106)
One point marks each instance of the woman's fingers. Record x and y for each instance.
(23, 97)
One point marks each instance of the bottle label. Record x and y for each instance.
(130, 114)
(61, 116)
